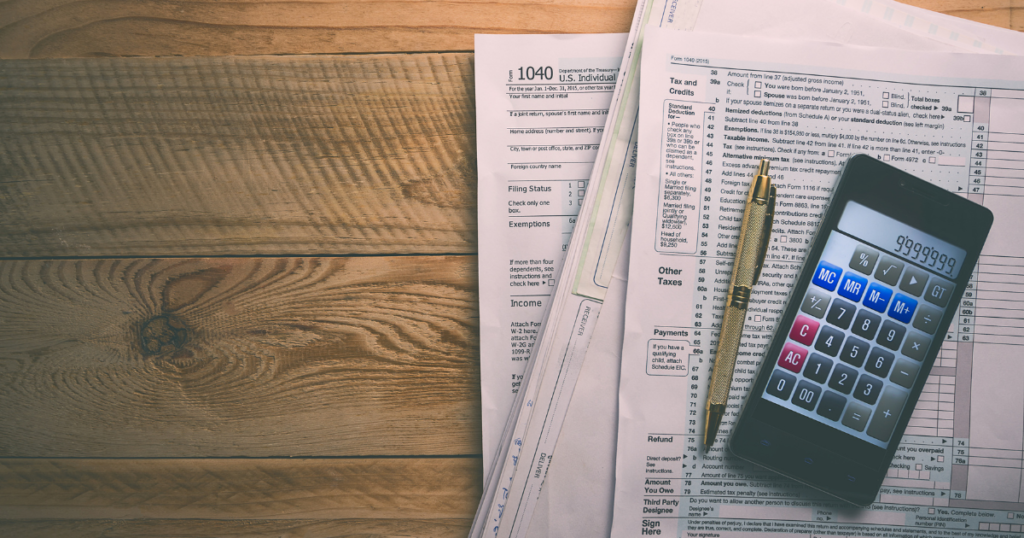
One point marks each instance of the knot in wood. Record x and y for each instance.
(162, 334)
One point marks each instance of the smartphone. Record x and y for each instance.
(881, 283)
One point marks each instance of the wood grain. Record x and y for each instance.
(282, 357)
(82, 28)
(1001, 13)
(276, 489)
(197, 528)
(76, 28)
(237, 156)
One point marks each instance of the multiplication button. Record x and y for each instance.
(916, 346)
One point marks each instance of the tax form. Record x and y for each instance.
(542, 102)
(711, 106)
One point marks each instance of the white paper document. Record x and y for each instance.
(542, 102)
(711, 106)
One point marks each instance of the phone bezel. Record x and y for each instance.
(919, 204)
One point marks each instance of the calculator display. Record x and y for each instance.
(865, 324)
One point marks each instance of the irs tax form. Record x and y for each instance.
(711, 106)
(542, 102)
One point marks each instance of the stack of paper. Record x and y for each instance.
(560, 116)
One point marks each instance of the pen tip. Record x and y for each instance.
(762, 169)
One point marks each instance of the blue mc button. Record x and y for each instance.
(827, 276)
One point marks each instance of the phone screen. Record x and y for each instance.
(865, 324)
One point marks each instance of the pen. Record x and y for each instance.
(750, 252)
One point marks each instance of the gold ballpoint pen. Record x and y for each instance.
(750, 252)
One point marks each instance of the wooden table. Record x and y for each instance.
(237, 262)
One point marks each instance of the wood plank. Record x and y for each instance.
(76, 28)
(274, 489)
(239, 357)
(79, 28)
(1001, 13)
(237, 156)
(199, 528)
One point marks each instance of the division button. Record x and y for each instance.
(815, 303)
(927, 319)
(938, 292)
(889, 270)
(916, 346)
(905, 373)
(863, 260)
(914, 280)
(887, 413)
(856, 416)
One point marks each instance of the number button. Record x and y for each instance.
(854, 351)
(792, 358)
(867, 389)
(927, 319)
(916, 346)
(806, 395)
(781, 384)
(938, 292)
(803, 330)
(815, 304)
(877, 297)
(829, 341)
(831, 406)
(818, 367)
(866, 324)
(853, 287)
(827, 276)
(889, 270)
(841, 314)
(843, 378)
(914, 281)
(891, 334)
(879, 362)
(863, 260)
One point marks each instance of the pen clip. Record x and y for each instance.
(769, 219)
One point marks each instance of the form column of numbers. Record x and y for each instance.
(979, 142)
